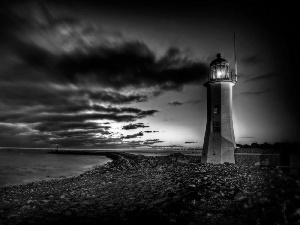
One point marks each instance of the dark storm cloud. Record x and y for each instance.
(99, 108)
(127, 64)
(133, 135)
(132, 126)
(54, 110)
(262, 77)
(176, 103)
(120, 65)
(256, 92)
(132, 64)
(44, 94)
(56, 117)
(116, 98)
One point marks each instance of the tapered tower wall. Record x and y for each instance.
(219, 144)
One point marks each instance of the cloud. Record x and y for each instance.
(152, 141)
(149, 131)
(134, 126)
(61, 97)
(176, 103)
(13, 129)
(189, 142)
(129, 64)
(193, 101)
(57, 117)
(135, 143)
(116, 97)
(133, 135)
(53, 126)
(70, 50)
(62, 79)
(255, 92)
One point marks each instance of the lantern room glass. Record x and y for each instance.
(219, 71)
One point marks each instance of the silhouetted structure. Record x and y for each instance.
(219, 141)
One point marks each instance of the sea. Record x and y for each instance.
(25, 165)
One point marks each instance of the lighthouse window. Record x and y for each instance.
(216, 109)
(216, 126)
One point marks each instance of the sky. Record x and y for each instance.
(129, 74)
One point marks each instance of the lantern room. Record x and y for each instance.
(219, 71)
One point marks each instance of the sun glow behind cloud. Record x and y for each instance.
(76, 76)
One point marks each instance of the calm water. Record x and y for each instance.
(19, 166)
(166, 152)
(25, 165)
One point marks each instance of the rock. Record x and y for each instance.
(160, 189)
(85, 203)
(183, 212)
(68, 213)
(193, 202)
(158, 201)
(239, 196)
(245, 206)
(31, 222)
(5, 206)
(172, 220)
(297, 212)
(103, 211)
(264, 200)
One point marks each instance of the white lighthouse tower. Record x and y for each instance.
(219, 141)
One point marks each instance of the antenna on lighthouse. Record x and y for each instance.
(235, 61)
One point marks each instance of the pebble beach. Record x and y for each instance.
(173, 189)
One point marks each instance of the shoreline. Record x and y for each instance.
(33, 167)
(174, 189)
(86, 152)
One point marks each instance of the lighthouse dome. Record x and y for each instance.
(219, 61)
(219, 72)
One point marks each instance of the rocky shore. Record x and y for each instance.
(175, 189)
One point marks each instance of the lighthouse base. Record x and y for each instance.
(217, 150)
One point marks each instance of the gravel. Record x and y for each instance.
(175, 189)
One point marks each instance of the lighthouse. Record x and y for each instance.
(219, 141)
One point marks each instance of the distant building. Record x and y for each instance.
(219, 141)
